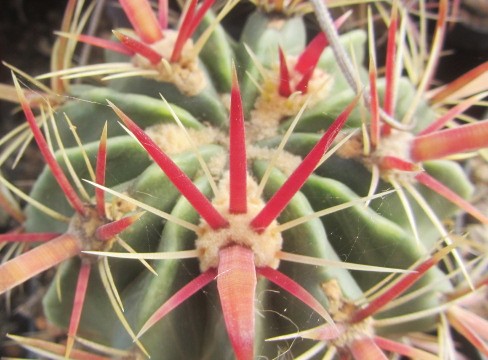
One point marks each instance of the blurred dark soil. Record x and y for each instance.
(26, 38)
(26, 34)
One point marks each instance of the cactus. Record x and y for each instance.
(221, 198)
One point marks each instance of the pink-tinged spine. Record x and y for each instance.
(183, 31)
(236, 283)
(57, 349)
(450, 141)
(385, 130)
(375, 115)
(402, 349)
(389, 102)
(108, 231)
(105, 44)
(366, 349)
(58, 174)
(472, 320)
(179, 179)
(302, 85)
(79, 300)
(284, 88)
(181, 295)
(27, 265)
(142, 19)
(189, 25)
(100, 173)
(237, 152)
(30, 237)
(282, 197)
(58, 61)
(457, 320)
(296, 290)
(325, 332)
(197, 19)
(460, 82)
(456, 294)
(163, 14)
(392, 162)
(308, 59)
(450, 115)
(427, 180)
(138, 47)
(11, 208)
(402, 285)
(437, 40)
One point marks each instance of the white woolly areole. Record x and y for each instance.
(172, 139)
(286, 162)
(360, 330)
(397, 143)
(117, 208)
(185, 74)
(341, 310)
(264, 245)
(270, 108)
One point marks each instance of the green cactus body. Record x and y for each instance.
(378, 235)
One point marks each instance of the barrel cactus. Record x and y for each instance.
(255, 196)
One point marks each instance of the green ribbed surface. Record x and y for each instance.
(379, 235)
